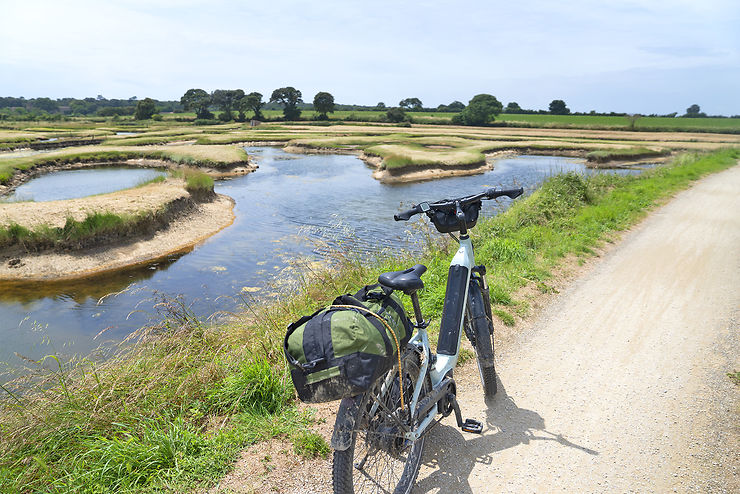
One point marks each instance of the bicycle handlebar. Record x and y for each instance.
(447, 204)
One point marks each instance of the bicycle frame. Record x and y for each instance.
(451, 330)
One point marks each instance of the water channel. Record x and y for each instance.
(71, 184)
(293, 206)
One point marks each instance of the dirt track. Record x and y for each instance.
(621, 385)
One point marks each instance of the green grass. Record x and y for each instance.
(643, 123)
(309, 444)
(603, 156)
(196, 182)
(734, 377)
(172, 412)
(707, 124)
(505, 317)
(156, 180)
(546, 120)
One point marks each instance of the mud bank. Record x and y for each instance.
(190, 225)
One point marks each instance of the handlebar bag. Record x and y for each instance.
(446, 221)
(338, 352)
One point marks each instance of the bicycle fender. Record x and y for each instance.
(344, 425)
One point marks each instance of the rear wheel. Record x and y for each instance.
(380, 459)
(480, 327)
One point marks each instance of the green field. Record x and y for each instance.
(731, 125)
(652, 123)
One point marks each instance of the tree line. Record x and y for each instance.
(236, 104)
(98, 106)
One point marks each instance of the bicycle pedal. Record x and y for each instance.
(472, 426)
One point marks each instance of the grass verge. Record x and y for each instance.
(172, 411)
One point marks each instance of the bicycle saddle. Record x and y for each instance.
(408, 280)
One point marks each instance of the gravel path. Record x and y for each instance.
(621, 385)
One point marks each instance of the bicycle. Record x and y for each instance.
(379, 435)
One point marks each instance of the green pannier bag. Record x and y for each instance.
(338, 352)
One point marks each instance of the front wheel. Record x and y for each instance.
(479, 328)
(379, 459)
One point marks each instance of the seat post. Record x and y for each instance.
(417, 309)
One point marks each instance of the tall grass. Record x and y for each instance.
(172, 411)
(200, 185)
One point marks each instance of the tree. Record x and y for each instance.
(396, 115)
(380, 106)
(557, 107)
(197, 100)
(482, 109)
(289, 97)
(46, 104)
(226, 100)
(323, 103)
(513, 107)
(456, 106)
(410, 104)
(633, 118)
(145, 109)
(694, 111)
(251, 102)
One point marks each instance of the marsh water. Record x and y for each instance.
(293, 207)
(71, 184)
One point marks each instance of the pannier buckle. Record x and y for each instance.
(310, 365)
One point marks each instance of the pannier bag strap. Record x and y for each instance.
(366, 292)
(291, 329)
(388, 327)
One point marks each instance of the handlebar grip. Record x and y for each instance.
(514, 193)
(511, 193)
(406, 215)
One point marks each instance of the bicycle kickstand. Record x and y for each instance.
(468, 425)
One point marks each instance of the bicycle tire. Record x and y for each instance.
(375, 477)
(481, 327)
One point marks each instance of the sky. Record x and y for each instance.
(634, 56)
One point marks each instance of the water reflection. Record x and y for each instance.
(72, 184)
